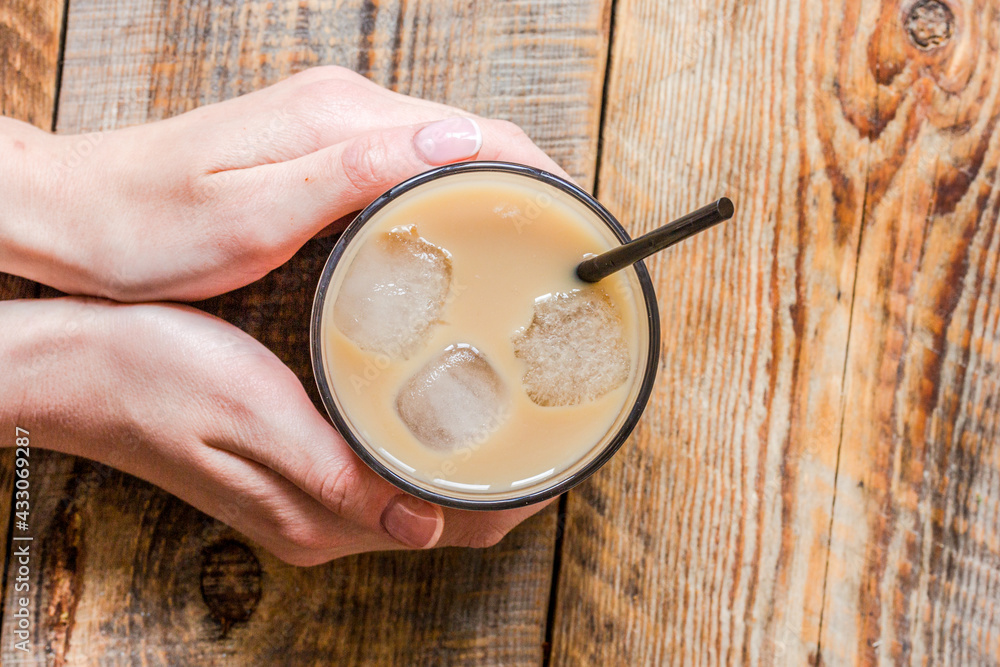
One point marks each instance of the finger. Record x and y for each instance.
(273, 512)
(503, 140)
(314, 109)
(316, 459)
(283, 432)
(322, 107)
(314, 190)
(483, 529)
(311, 191)
(334, 104)
(506, 142)
(247, 403)
(325, 467)
(346, 486)
(348, 104)
(333, 474)
(257, 502)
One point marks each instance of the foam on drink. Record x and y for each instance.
(524, 369)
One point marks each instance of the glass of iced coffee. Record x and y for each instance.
(458, 353)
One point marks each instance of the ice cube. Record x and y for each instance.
(393, 293)
(574, 347)
(457, 399)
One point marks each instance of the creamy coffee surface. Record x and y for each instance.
(463, 349)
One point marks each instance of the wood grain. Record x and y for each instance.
(29, 53)
(815, 479)
(125, 567)
(916, 526)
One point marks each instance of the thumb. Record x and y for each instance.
(413, 522)
(352, 491)
(320, 462)
(323, 186)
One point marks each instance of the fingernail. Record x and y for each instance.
(413, 522)
(449, 140)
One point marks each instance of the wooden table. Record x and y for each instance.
(817, 477)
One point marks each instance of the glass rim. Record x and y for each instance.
(344, 428)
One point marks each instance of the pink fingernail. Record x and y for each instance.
(413, 522)
(449, 140)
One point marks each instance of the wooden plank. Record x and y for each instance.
(705, 541)
(914, 572)
(131, 574)
(29, 53)
(816, 479)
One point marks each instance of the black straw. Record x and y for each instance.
(616, 259)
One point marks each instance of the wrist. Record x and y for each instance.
(40, 206)
(57, 382)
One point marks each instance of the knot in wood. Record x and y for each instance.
(230, 582)
(929, 24)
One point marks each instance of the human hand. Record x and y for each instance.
(199, 408)
(214, 199)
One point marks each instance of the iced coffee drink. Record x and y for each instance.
(459, 354)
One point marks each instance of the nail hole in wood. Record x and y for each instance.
(929, 24)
